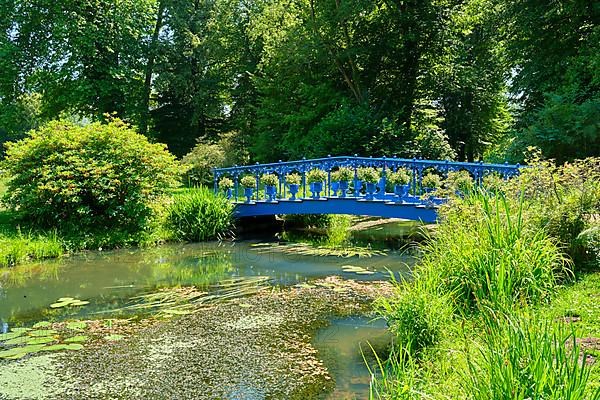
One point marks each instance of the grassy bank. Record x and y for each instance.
(504, 300)
(184, 215)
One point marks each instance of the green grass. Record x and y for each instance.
(495, 269)
(198, 215)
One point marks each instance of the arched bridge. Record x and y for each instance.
(293, 187)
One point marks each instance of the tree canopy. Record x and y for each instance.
(466, 79)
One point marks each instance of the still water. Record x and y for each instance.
(108, 280)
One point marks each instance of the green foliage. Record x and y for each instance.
(338, 231)
(93, 177)
(523, 357)
(416, 315)
(486, 255)
(345, 174)
(226, 183)
(460, 181)
(431, 181)
(316, 175)
(269, 179)
(199, 215)
(293, 179)
(200, 161)
(368, 174)
(19, 248)
(248, 181)
(399, 177)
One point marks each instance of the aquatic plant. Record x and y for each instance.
(19, 247)
(68, 302)
(199, 214)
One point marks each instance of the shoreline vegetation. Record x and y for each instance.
(503, 302)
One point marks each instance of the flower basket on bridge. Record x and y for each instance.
(401, 181)
(293, 180)
(344, 175)
(370, 176)
(315, 179)
(270, 181)
(227, 185)
(248, 182)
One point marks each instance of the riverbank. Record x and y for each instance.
(254, 347)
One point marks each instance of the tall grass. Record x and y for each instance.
(198, 215)
(526, 358)
(15, 249)
(486, 256)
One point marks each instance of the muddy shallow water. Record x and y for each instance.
(300, 339)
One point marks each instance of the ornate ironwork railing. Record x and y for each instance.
(415, 167)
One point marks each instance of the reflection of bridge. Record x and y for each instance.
(408, 204)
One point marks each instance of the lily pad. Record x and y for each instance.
(76, 325)
(68, 301)
(76, 339)
(55, 347)
(365, 272)
(113, 337)
(74, 346)
(9, 335)
(177, 312)
(17, 340)
(41, 340)
(18, 352)
(42, 324)
(42, 332)
(20, 330)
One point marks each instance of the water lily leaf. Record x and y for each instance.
(43, 332)
(245, 305)
(73, 346)
(76, 339)
(305, 286)
(113, 337)
(68, 301)
(9, 335)
(20, 330)
(18, 352)
(17, 340)
(60, 304)
(55, 347)
(177, 312)
(42, 324)
(41, 340)
(76, 325)
(365, 272)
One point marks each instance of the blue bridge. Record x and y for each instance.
(383, 187)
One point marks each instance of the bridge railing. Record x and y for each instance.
(414, 167)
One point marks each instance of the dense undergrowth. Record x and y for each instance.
(488, 314)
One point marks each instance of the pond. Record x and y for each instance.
(109, 280)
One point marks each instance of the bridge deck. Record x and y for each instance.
(332, 205)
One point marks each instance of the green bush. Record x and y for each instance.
(199, 215)
(459, 181)
(226, 183)
(94, 177)
(524, 358)
(269, 179)
(431, 181)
